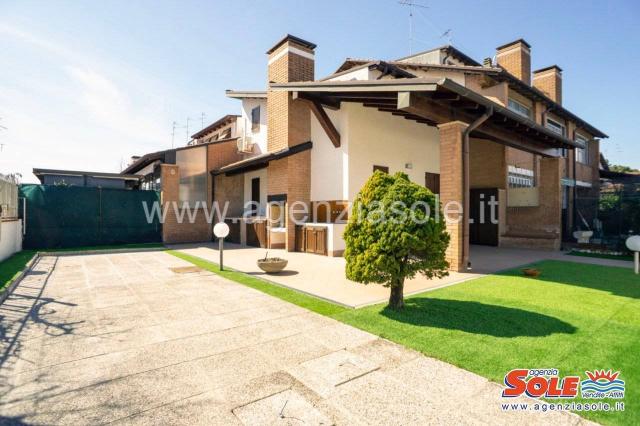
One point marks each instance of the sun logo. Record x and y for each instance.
(602, 384)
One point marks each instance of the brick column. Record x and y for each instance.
(289, 124)
(551, 195)
(451, 190)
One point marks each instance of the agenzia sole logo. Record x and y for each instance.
(547, 383)
(602, 384)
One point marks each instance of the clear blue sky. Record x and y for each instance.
(85, 85)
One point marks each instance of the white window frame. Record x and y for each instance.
(582, 154)
(556, 127)
(519, 108)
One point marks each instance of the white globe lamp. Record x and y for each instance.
(221, 230)
(633, 244)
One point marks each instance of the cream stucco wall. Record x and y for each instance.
(330, 165)
(380, 138)
(368, 137)
(244, 123)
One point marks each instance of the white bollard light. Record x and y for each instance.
(221, 230)
(633, 244)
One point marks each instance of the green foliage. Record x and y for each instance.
(11, 267)
(622, 169)
(395, 232)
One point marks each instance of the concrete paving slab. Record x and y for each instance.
(198, 349)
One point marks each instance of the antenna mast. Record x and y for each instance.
(411, 4)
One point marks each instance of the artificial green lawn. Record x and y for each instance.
(628, 257)
(11, 267)
(574, 317)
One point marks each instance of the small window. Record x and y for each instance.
(432, 182)
(519, 108)
(582, 154)
(255, 119)
(383, 169)
(556, 127)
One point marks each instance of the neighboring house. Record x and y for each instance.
(183, 176)
(87, 179)
(466, 130)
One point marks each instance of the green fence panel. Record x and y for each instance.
(60, 216)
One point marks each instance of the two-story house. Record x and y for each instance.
(466, 130)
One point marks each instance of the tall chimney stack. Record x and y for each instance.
(291, 59)
(549, 81)
(515, 57)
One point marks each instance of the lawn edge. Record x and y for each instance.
(294, 292)
(8, 289)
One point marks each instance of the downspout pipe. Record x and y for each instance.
(465, 181)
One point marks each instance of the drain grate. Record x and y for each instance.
(185, 269)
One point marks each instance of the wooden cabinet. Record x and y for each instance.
(257, 233)
(311, 239)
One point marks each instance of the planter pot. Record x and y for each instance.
(272, 265)
(583, 237)
(531, 272)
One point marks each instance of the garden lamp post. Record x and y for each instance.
(221, 230)
(633, 244)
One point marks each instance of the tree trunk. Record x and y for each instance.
(396, 297)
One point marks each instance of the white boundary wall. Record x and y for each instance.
(10, 238)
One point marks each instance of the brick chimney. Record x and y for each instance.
(549, 81)
(515, 57)
(289, 124)
(291, 59)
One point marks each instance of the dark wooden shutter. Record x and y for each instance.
(432, 182)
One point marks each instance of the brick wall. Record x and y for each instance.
(229, 189)
(487, 168)
(289, 124)
(172, 231)
(516, 59)
(451, 188)
(549, 82)
(545, 218)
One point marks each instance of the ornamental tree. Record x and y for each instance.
(396, 230)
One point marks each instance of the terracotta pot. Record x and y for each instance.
(531, 272)
(272, 265)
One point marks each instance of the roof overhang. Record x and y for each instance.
(229, 118)
(433, 102)
(260, 161)
(101, 175)
(246, 94)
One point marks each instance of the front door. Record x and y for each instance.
(482, 229)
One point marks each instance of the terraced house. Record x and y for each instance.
(469, 131)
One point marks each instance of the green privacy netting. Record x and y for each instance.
(70, 216)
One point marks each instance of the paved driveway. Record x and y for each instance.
(127, 338)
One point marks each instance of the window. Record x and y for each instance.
(432, 182)
(255, 119)
(193, 175)
(383, 169)
(556, 127)
(520, 178)
(519, 108)
(582, 154)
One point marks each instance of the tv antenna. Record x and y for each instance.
(411, 4)
(2, 144)
(448, 35)
(202, 116)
